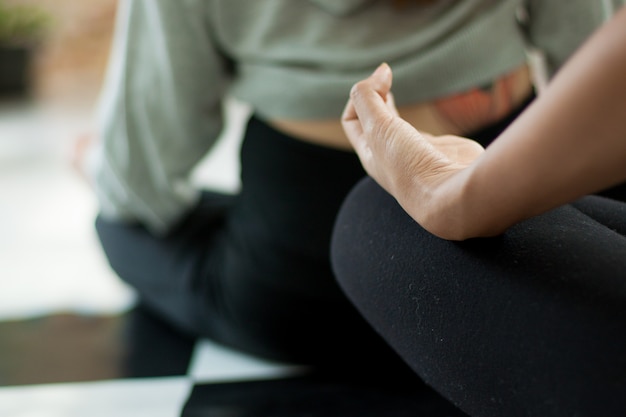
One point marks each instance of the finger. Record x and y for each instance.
(353, 129)
(368, 97)
(380, 80)
(349, 113)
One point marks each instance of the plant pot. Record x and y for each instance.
(15, 70)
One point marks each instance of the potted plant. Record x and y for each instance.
(21, 29)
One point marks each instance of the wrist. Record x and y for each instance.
(442, 208)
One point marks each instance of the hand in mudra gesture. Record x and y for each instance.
(412, 166)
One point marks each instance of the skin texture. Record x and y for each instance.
(570, 142)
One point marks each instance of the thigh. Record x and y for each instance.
(528, 323)
(609, 212)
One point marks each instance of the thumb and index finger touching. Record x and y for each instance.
(370, 100)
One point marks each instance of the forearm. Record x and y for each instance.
(572, 141)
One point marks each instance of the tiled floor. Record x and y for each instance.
(73, 341)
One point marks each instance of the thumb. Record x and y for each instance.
(381, 80)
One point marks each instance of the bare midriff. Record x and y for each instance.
(459, 114)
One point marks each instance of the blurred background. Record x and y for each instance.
(53, 56)
(67, 41)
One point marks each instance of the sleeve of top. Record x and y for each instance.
(160, 111)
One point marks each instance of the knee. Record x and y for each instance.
(351, 227)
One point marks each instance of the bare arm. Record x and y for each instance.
(570, 142)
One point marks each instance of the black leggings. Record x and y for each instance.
(253, 271)
(530, 323)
